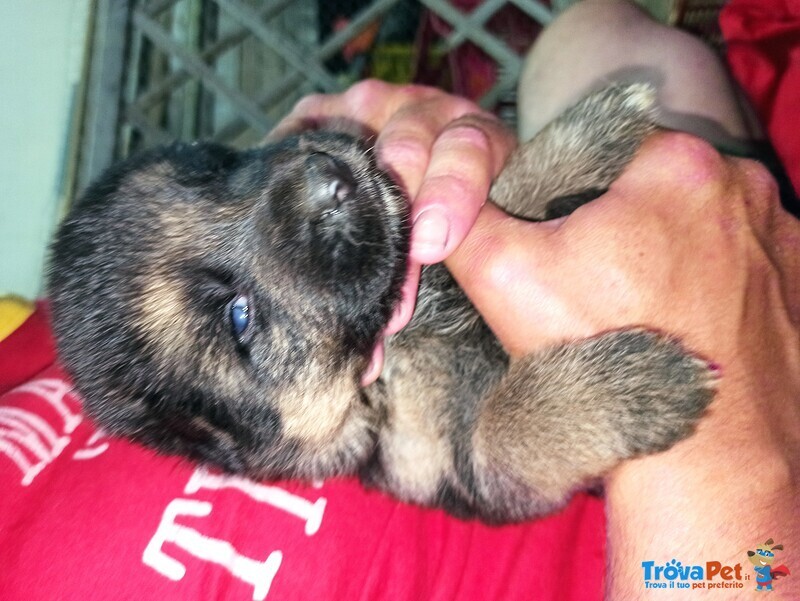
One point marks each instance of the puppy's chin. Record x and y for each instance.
(323, 425)
(328, 433)
(343, 456)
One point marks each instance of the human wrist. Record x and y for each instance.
(754, 421)
(732, 483)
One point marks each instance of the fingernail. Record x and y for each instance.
(375, 366)
(430, 233)
(399, 319)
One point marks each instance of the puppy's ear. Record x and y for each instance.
(777, 547)
(769, 541)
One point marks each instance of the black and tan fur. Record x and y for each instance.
(315, 238)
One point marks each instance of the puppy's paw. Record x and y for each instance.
(639, 97)
(664, 387)
(620, 115)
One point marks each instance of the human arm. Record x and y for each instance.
(697, 246)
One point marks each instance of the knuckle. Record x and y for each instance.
(308, 105)
(462, 108)
(467, 135)
(504, 265)
(487, 122)
(701, 163)
(756, 191)
(471, 113)
(466, 157)
(698, 176)
(414, 93)
(479, 259)
(367, 91)
(503, 257)
(761, 182)
(404, 147)
(406, 156)
(421, 92)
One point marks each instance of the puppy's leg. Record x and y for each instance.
(577, 156)
(562, 418)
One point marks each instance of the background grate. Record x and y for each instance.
(228, 70)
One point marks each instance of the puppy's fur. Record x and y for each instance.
(222, 305)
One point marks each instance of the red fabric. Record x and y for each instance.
(27, 350)
(86, 517)
(763, 51)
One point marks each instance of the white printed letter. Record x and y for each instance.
(302, 508)
(258, 574)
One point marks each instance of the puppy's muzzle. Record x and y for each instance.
(329, 184)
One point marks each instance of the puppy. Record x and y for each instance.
(222, 305)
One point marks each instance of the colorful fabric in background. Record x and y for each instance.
(762, 40)
(13, 312)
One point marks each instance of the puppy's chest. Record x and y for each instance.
(415, 441)
(435, 377)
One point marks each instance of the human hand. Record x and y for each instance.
(443, 150)
(685, 241)
(698, 246)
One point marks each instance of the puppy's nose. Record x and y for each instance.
(329, 182)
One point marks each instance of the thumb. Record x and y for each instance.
(501, 267)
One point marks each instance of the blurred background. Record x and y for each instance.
(87, 82)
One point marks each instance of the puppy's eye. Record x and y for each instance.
(240, 315)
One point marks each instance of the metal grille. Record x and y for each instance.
(228, 70)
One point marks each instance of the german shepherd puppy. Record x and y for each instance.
(222, 305)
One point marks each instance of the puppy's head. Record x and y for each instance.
(222, 305)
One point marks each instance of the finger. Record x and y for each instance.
(404, 147)
(405, 308)
(370, 104)
(464, 160)
(306, 114)
(496, 265)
